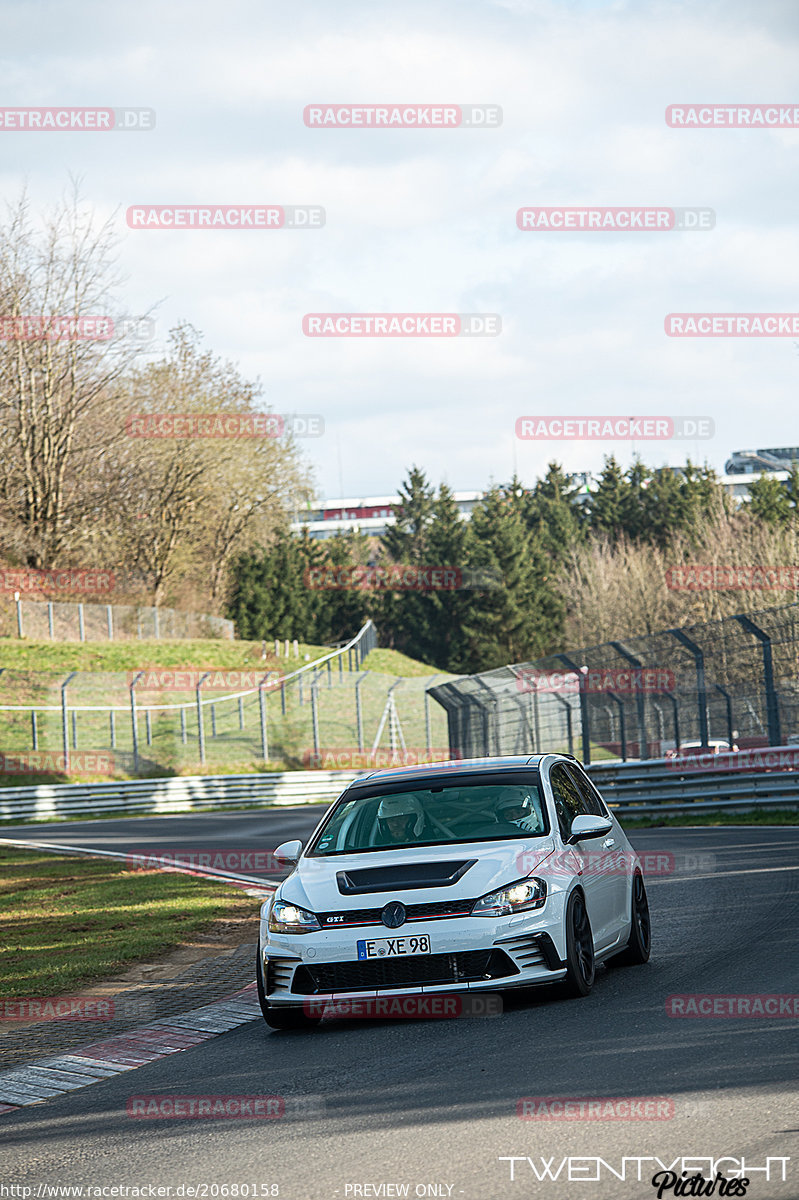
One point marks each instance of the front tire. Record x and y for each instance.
(639, 943)
(580, 964)
(278, 1017)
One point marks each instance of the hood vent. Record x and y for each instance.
(402, 877)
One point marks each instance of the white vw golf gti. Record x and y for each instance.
(482, 875)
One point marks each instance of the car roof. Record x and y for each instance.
(454, 768)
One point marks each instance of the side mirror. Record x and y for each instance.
(587, 826)
(288, 853)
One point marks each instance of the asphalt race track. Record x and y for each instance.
(433, 1104)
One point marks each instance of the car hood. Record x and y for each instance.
(315, 884)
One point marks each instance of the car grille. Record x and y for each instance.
(469, 966)
(414, 912)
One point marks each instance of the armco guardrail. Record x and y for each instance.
(669, 785)
(187, 793)
(653, 786)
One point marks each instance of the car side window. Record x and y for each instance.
(589, 794)
(569, 802)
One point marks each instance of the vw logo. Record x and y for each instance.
(393, 915)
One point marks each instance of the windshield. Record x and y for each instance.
(433, 816)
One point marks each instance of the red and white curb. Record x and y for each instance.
(48, 1077)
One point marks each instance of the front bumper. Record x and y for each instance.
(470, 954)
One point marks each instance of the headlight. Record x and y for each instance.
(517, 897)
(290, 918)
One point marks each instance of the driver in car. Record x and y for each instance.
(515, 805)
(400, 819)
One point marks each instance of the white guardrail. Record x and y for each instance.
(668, 792)
(158, 797)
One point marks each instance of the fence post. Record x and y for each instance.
(109, 617)
(341, 667)
(64, 721)
(50, 620)
(358, 712)
(241, 712)
(643, 745)
(329, 675)
(569, 732)
(200, 729)
(81, 624)
(134, 730)
(183, 735)
(728, 702)
(585, 720)
(18, 602)
(676, 709)
(113, 728)
(701, 689)
(622, 723)
(156, 626)
(34, 730)
(772, 706)
(262, 707)
(315, 717)
(213, 720)
(74, 730)
(283, 696)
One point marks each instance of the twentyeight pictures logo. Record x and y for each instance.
(402, 325)
(402, 116)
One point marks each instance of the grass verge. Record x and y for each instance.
(774, 816)
(66, 923)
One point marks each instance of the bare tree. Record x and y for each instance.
(59, 370)
(185, 505)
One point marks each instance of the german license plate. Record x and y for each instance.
(394, 947)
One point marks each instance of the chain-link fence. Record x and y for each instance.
(60, 621)
(329, 714)
(729, 681)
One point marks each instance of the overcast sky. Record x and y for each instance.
(424, 221)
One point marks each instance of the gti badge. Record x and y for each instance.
(393, 915)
